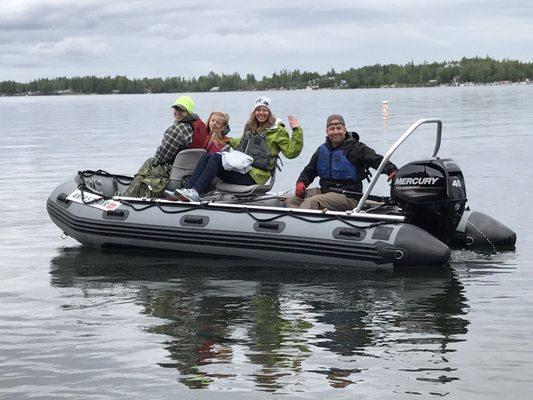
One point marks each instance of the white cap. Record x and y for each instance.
(262, 101)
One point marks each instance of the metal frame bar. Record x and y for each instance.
(350, 214)
(393, 148)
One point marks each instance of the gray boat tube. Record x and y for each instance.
(416, 247)
(366, 241)
(479, 231)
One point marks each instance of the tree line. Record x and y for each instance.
(475, 70)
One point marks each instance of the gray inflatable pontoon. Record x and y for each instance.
(425, 213)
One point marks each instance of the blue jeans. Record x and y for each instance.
(209, 166)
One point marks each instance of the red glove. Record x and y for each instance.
(392, 175)
(300, 189)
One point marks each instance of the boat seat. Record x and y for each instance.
(185, 163)
(248, 190)
(183, 166)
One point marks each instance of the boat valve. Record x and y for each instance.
(398, 254)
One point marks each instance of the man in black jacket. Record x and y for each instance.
(341, 163)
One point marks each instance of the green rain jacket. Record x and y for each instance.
(278, 140)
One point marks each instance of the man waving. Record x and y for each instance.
(341, 163)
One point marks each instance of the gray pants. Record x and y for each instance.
(314, 200)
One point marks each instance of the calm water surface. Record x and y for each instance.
(82, 323)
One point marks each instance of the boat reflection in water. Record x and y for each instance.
(250, 325)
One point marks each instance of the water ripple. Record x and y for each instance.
(82, 323)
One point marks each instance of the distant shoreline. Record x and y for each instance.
(465, 84)
(466, 72)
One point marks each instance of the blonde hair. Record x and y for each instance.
(217, 138)
(253, 124)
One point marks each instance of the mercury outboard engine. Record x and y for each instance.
(432, 194)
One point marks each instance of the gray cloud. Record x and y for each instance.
(161, 38)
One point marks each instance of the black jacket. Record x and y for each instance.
(357, 153)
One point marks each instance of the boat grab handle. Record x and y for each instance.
(270, 227)
(114, 213)
(194, 220)
(393, 148)
(119, 215)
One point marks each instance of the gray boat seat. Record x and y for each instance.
(183, 166)
(247, 190)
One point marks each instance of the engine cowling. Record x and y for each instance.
(432, 194)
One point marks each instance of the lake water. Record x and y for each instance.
(81, 323)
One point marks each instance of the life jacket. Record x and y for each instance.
(333, 164)
(200, 137)
(256, 146)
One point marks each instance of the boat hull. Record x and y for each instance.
(240, 232)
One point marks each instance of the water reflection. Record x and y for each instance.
(479, 264)
(248, 324)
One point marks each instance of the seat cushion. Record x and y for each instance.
(232, 188)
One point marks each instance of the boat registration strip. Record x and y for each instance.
(93, 200)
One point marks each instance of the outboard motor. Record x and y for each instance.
(432, 194)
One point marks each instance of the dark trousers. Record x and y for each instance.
(209, 166)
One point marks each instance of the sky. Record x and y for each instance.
(153, 38)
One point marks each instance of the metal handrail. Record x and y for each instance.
(393, 148)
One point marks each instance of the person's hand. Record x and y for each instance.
(392, 175)
(300, 189)
(293, 122)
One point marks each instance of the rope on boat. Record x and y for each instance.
(166, 211)
(124, 179)
(204, 205)
(313, 221)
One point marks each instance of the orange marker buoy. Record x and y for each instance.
(385, 109)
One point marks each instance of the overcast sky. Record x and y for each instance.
(153, 38)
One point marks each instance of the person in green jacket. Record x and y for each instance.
(263, 139)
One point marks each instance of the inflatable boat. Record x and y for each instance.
(417, 225)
